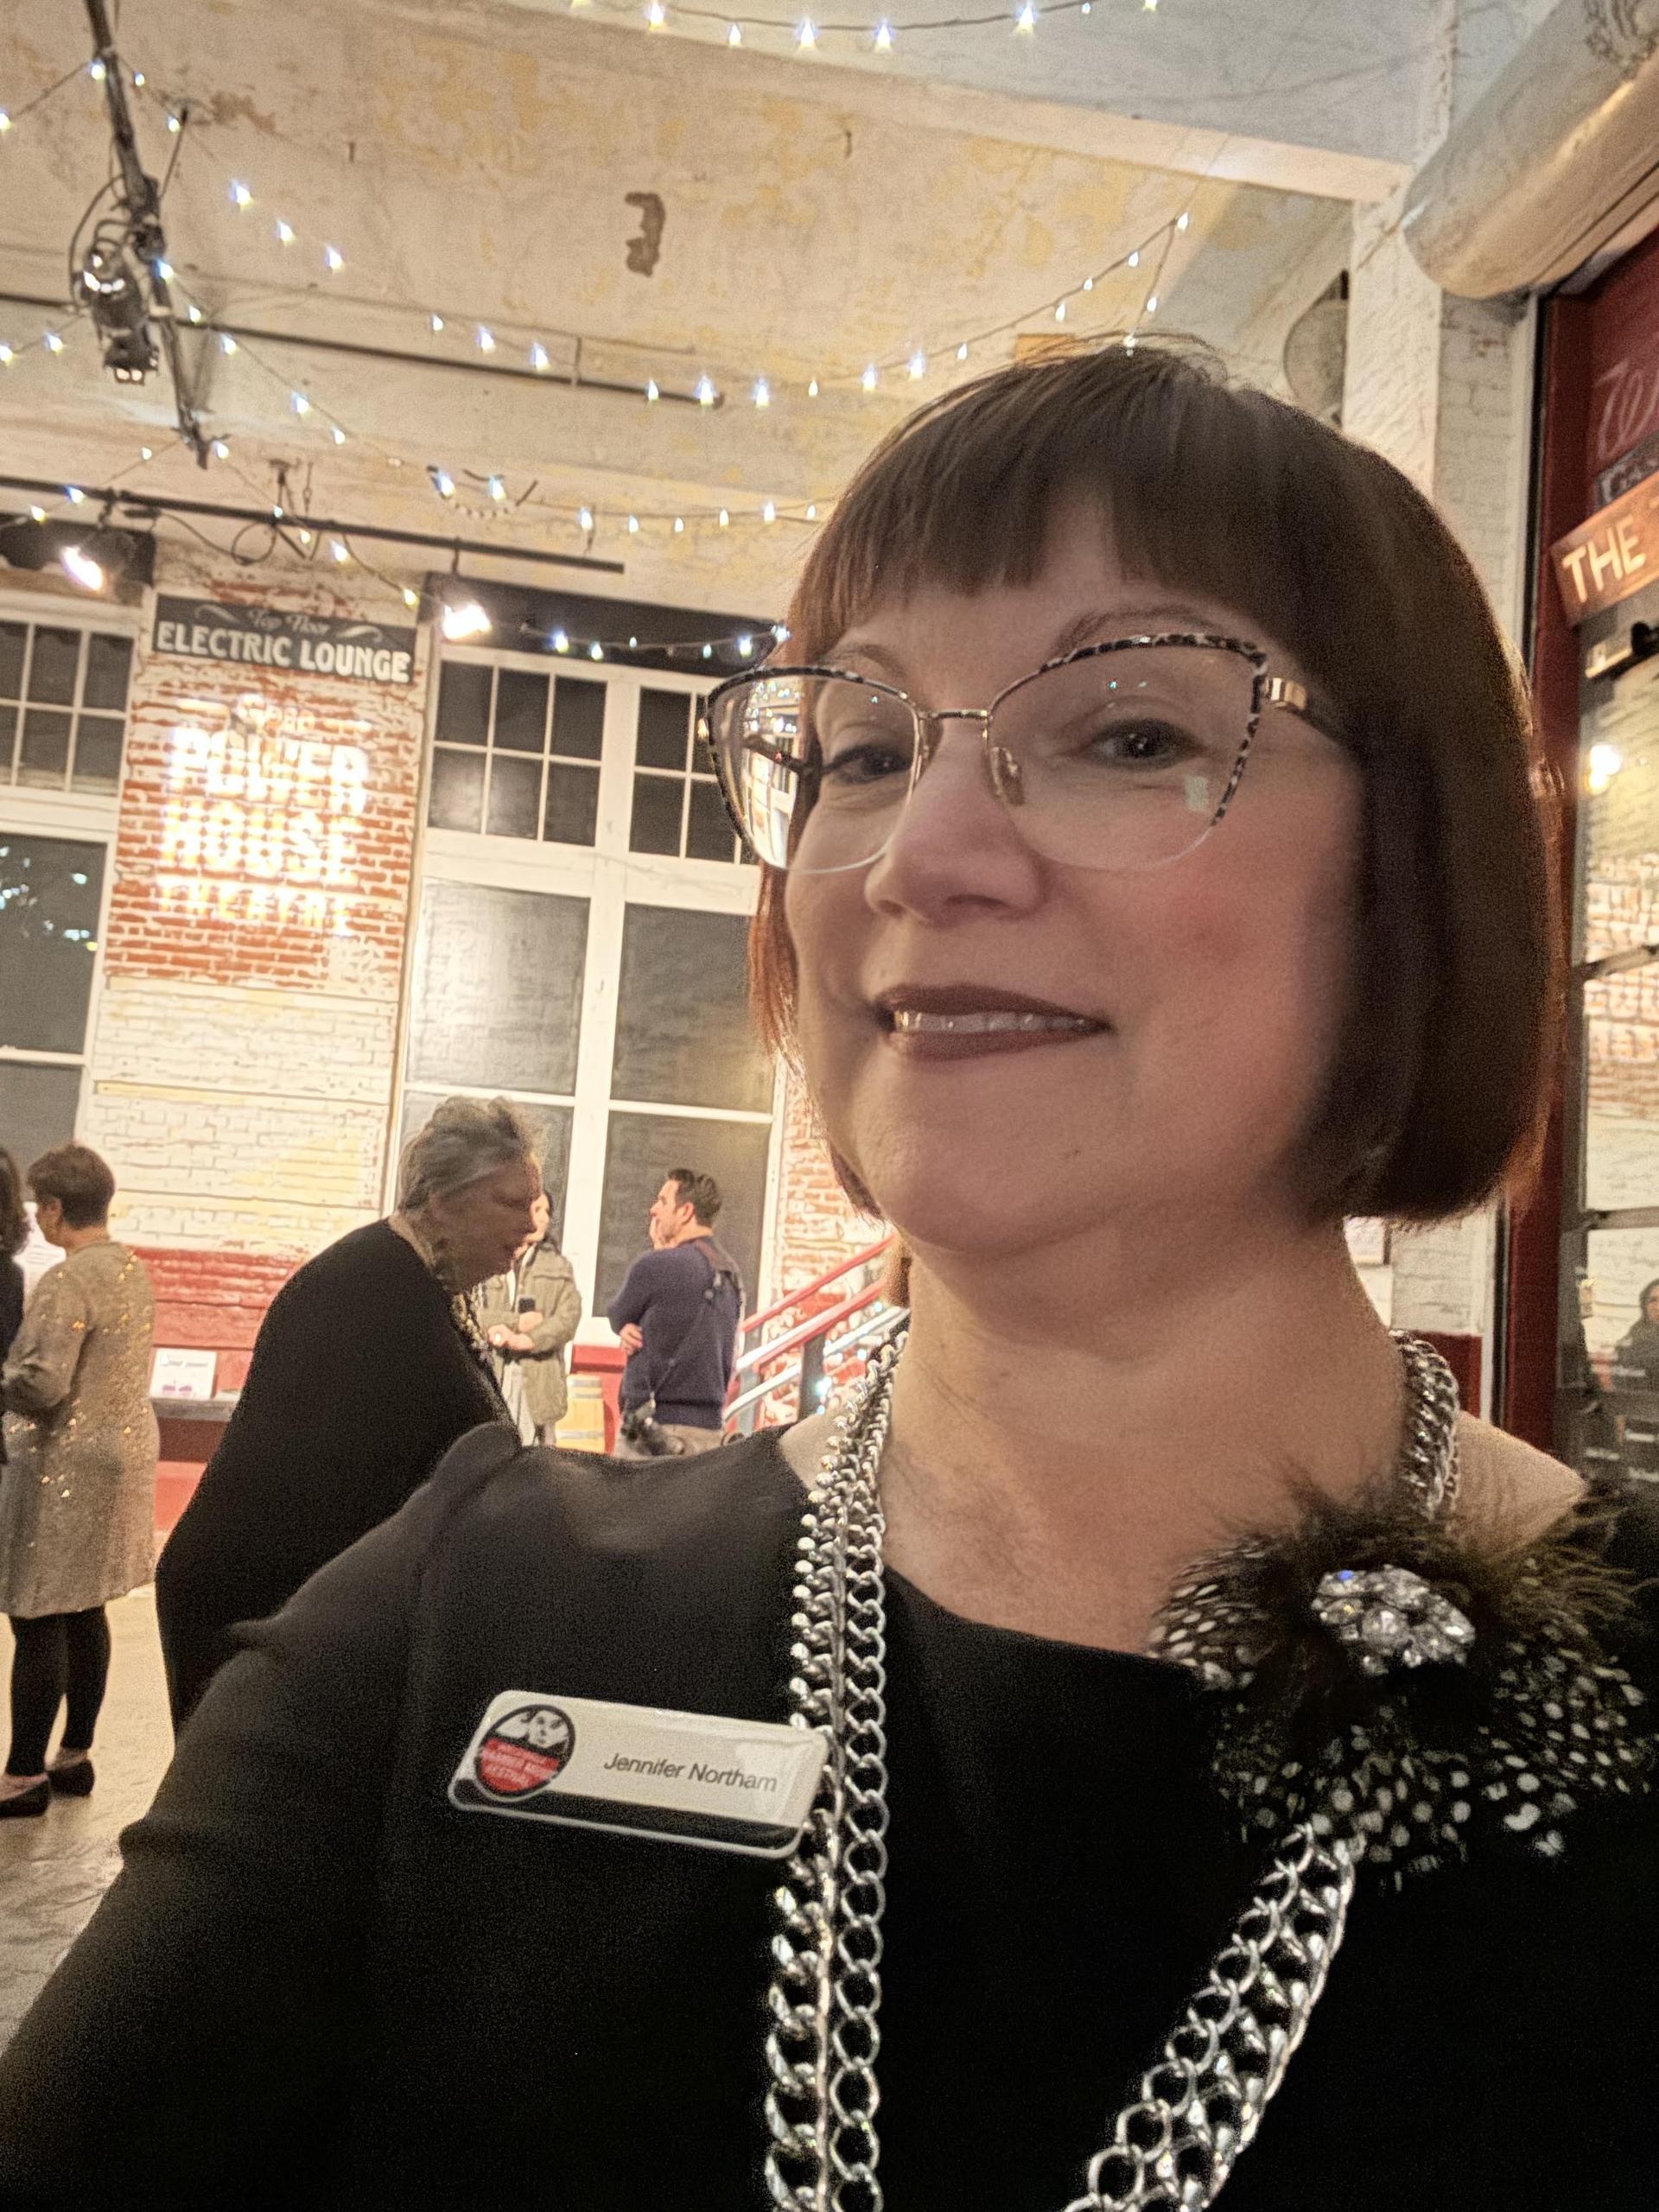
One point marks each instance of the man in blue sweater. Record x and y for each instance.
(677, 1315)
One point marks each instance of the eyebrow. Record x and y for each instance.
(1084, 630)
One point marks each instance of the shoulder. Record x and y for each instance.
(1511, 1490)
(375, 1254)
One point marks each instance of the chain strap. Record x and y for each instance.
(1199, 2105)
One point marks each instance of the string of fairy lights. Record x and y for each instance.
(499, 498)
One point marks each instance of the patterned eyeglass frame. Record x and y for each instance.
(1281, 691)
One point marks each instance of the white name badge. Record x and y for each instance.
(688, 1778)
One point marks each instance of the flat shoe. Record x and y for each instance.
(74, 1780)
(27, 1804)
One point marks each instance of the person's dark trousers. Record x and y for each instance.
(57, 1655)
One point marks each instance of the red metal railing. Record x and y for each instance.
(786, 1375)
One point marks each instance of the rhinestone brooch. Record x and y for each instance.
(1390, 1617)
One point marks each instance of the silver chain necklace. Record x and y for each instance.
(1200, 2104)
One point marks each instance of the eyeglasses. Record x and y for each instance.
(1121, 755)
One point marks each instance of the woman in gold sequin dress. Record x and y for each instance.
(78, 1493)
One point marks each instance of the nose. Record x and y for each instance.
(956, 848)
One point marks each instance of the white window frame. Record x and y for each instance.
(610, 879)
(80, 817)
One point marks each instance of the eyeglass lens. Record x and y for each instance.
(1119, 760)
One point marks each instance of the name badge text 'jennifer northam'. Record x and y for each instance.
(688, 1778)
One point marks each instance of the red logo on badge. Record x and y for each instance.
(525, 1751)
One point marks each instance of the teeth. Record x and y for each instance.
(909, 1023)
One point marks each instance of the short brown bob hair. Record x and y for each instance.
(1437, 1093)
(79, 1179)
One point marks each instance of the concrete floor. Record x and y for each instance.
(54, 1871)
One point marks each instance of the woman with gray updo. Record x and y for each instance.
(368, 1366)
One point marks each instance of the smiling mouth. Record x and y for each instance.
(962, 1021)
(911, 1021)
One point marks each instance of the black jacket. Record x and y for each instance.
(360, 1383)
(319, 1984)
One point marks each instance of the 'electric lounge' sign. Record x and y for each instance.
(274, 637)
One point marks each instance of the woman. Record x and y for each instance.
(1636, 1367)
(1113, 1002)
(529, 1315)
(13, 1234)
(78, 1494)
(368, 1366)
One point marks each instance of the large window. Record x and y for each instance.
(517, 753)
(51, 890)
(593, 973)
(63, 705)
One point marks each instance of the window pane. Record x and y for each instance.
(108, 663)
(521, 711)
(8, 741)
(664, 729)
(37, 1108)
(98, 753)
(640, 1149)
(683, 1030)
(457, 798)
(1617, 1360)
(578, 719)
(656, 824)
(497, 1002)
(13, 638)
(463, 703)
(44, 755)
(52, 670)
(49, 890)
(515, 797)
(572, 815)
(1621, 1065)
(551, 1123)
(708, 833)
(1618, 825)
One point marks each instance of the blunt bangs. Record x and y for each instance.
(1437, 1094)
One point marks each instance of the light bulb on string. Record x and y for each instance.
(436, 321)
(173, 123)
(870, 378)
(240, 195)
(193, 313)
(656, 14)
(37, 514)
(96, 71)
(706, 393)
(746, 646)
(164, 272)
(633, 645)
(5, 122)
(1135, 258)
(538, 358)
(220, 451)
(707, 652)
(1026, 19)
(75, 496)
(883, 39)
(411, 598)
(584, 517)
(561, 642)
(762, 394)
(1088, 283)
(284, 232)
(634, 525)
(780, 631)
(769, 513)
(53, 343)
(227, 343)
(679, 524)
(595, 651)
(337, 434)
(146, 453)
(7, 357)
(338, 547)
(812, 513)
(734, 35)
(304, 536)
(917, 363)
(1059, 312)
(652, 393)
(1182, 219)
(332, 259)
(497, 490)
(1152, 304)
(961, 350)
(300, 403)
(806, 33)
(443, 483)
(725, 518)
(486, 338)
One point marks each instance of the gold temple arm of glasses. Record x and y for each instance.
(1285, 691)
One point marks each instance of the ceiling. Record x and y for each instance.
(662, 207)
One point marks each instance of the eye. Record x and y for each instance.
(1145, 742)
(865, 757)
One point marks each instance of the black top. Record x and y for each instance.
(359, 1382)
(11, 1318)
(687, 1301)
(319, 1984)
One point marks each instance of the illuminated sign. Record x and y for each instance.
(1613, 555)
(260, 821)
(275, 637)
